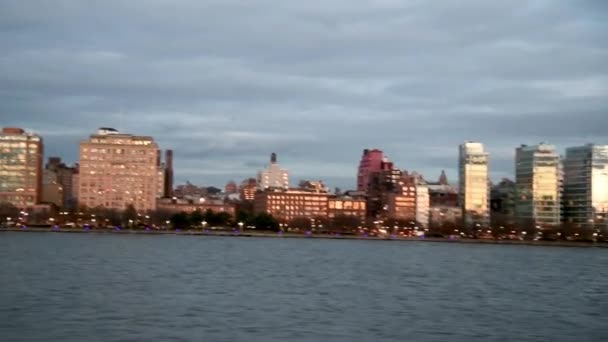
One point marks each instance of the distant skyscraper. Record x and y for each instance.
(586, 185)
(443, 178)
(380, 184)
(537, 181)
(231, 188)
(20, 167)
(474, 184)
(117, 170)
(248, 188)
(168, 183)
(273, 176)
(371, 162)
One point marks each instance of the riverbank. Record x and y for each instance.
(255, 234)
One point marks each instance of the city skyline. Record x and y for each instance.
(224, 84)
(253, 171)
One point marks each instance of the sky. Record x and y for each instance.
(224, 82)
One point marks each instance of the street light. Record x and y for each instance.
(241, 227)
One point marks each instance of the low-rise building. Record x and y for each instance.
(346, 206)
(190, 205)
(286, 205)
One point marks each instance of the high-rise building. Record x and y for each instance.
(381, 183)
(410, 200)
(502, 203)
(371, 162)
(231, 188)
(57, 183)
(273, 177)
(168, 181)
(248, 188)
(443, 178)
(20, 167)
(117, 170)
(586, 185)
(474, 187)
(537, 182)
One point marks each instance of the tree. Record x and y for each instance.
(264, 221)
(129, 214)
(196, 217)
(180, 220)
(217, 219)
(8, 210)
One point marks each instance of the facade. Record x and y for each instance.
(346, 206)
(410, 201)
(168, 174)
(273, 177)
(371, 162)
(231, 188)
(118, 170)
(444, 205)
(381, 185)
(189, 190)
(188, 205)
(537, 181)
(52, 190)
(586, 185)
(248, 188)
(474, 187)
(286, 205)
(502, 203)
(20, 167)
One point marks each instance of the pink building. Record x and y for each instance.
(371, 162)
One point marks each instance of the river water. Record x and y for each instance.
(106, 287)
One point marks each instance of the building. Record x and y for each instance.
(52, 189)
(248, 188)
(189, 190)
(168, 174)
(474, 187)
(75, 186)
(537, 182)
(189, 205)
(586, 185)
(20, 167)
(286, 205)
(381, 183)
(231, 188)
(444, 205)
(410, 201)
(346, 206)
(64, 176)
(273, 177)
(118, 170)
(371, 162)
(443, 178)
(502, 203)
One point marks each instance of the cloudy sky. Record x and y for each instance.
(225, 83)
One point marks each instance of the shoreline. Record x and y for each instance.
(250, 234)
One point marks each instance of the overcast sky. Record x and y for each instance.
(224, 83)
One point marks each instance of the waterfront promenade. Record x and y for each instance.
(267, 234)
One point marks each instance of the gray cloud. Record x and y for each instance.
(224, 83)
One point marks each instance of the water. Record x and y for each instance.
(103, 287)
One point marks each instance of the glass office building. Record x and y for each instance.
(474, 187)
(20, 167)
(586, 185)
(537, 182)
